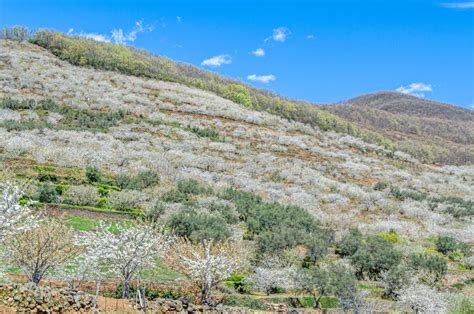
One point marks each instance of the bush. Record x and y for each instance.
(447, 245)
(48, 193)
(93, 175)
(184, 191)
(198, 226)
(206, 132)
(350, 243)
(394, 280)
(18, 33)
(142, 180)
(238, 94)
(277, 227)
(375, 256)
(81, 195)
(155, 211)
(326, 280)
(246, 302)
(434, 267)
(239, 283)
(125, 200)
(380, 186)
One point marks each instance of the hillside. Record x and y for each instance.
(90, 144)
(429, 130)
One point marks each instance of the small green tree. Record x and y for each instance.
(394, 280)
(375, 256)
(350, 243)
(324, 280)
(239, 94)
(93, 174)
(433, 268)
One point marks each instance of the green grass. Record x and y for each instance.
(161, 272)
(81, 223)
(133, 212)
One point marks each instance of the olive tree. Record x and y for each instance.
(328, 279)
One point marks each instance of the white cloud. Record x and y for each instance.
(415, 89)
(310, 36)
(261, 78)
(259, 52)
(280, 34)
(121, 38)
(118, 36)
(178, 19)
(459, 5)
(94, 36)
(217, 61)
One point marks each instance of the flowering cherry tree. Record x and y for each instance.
(13, 216)
(126, 250)
(271, 274)
(422, 299)
(208, 263)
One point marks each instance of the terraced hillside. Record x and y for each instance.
(429, 130)
(105, 142)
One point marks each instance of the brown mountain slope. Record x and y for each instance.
(431, 131)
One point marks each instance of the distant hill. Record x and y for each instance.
(431, 131)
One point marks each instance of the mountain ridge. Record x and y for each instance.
(431, 131)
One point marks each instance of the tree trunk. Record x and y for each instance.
(206, 295)
(97, 288)
(126, 288)
(36, 277)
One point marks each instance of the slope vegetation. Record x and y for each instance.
(431, 131)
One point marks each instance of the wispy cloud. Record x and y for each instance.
(178, 19)
(280, 34)
(261, 78)
(415, 89)
(122, 38)
(259, 52)
(217, 61)
(93, 36)
(458, 5)
(310, 37)
(118, 36)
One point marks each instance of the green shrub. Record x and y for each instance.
(47, 177)
(198, 226)
(395, 279)
(142, 180)
(246, 302)
(206, 132)
(93, 175)
(48, 193)
(435, 266)
(239, 283)
(380, 186)
(391, 236)
(184, 191)
(447, 245)
(239, 94)
(350, 243)
(325, 280)
(462, 305)
(375, 256)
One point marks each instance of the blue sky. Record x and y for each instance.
(320, 51)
